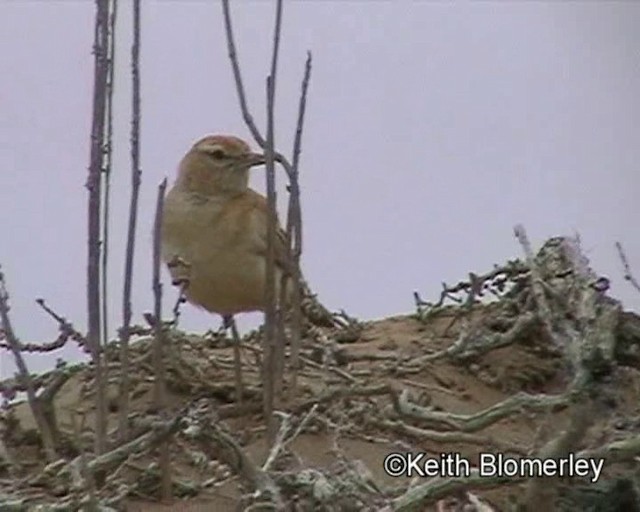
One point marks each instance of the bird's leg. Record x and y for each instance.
(229, 323)
(279, 352)
(180, 274)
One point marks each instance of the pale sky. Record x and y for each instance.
(432, 128)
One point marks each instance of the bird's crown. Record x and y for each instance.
(222, 146)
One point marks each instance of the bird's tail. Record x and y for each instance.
(313, 309)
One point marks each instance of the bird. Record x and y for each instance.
(214, 232)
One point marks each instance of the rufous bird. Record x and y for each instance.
(214, 232)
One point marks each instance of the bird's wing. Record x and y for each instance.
(311, 308)
(259, 216)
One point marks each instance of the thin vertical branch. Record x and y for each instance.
(274, 64)
(101, 67)
(294, 220)
(159, 390)
(233, 56)
(14, 344)
(268, 370)
(294, 233)
(272, 367)
(246, 115)
(278, 341)
(131, 229)
(294, 217)
(106, 169)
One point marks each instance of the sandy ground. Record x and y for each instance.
(354, 428)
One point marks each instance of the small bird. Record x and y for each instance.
(214, 231)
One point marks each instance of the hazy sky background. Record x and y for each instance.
(432, 128)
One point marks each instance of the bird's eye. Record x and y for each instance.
(218, 154)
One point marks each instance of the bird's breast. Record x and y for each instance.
(214, 245)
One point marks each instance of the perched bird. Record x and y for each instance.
(214, 230)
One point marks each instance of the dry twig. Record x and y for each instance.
(101, 72)
(628, 275)
(158, 342)
(294, 233)
(34, 402)
(125, 332)
(106, 165)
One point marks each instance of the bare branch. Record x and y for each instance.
(235, 457)
(294, 234)
(272, 373)
(101, 71)
(25, 377)
(106, 462)
(417, 497)
(136, 173)
(62, 321)
(480, 420)
(67, 331)
(248, 118)
(536, 284)
(158, 342)
(279, 441)
(270, 310)
(233, 56)
(628, 275)
(106, 166)
(539, 493)
(586, 334)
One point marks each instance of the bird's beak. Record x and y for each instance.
(254, 159)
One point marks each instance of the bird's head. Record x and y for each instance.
(217, 164)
